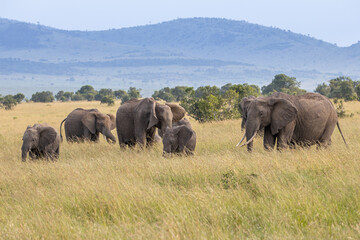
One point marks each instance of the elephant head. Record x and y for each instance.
(272, 112)
(163, 115)
(99, 122)
(244, 105)
(35, 139)
(176, 139)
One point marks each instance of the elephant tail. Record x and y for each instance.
(61, 137)
(338, 125)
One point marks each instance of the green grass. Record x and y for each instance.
(97, 191)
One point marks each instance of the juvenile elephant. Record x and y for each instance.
(39, 141)
(86, 124)
(303, 120)
(179, 139)
(137, 120)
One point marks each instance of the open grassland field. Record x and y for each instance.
(97, 191)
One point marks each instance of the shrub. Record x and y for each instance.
(19, 97)
(340, 109)
(134, 92)
(64, 96)
(8, 102)
(108, 99)
(44, 96)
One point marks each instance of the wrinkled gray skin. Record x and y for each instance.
(303, 120)
(182, 122)
(86, 124)
(40, 141)
(179, 139)
(137, 120)
(244, 105)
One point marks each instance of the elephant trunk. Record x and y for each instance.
(109, 136)
(24, 152)
(251, 129)
(163, 128)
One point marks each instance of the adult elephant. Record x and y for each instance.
(86, 124)
(303, 120)
(137, 120)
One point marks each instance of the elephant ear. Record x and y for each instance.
(89, 120)
(153, 119)
(47, 135)
(183, 134)
(282, 114)
(177, 111)
(113, 121)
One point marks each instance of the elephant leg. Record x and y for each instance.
(57, 153)
(150, 135)
(140, 137)
(285, 135)
(325, 139)
(94, 137)
(87, 134)
(32, 154)
(269, 139)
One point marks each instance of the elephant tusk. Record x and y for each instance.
(252, 138)
(241, 139)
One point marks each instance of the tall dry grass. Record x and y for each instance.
(97, 191)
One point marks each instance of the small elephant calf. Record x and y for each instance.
(179, 139)
(39, 141)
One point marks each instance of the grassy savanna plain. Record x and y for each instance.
(97, 191)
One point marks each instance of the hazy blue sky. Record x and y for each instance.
(335, 21)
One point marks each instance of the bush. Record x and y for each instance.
(87, 92)
(174, 94)
(210, 103)
(134, 92)
(164, 94)
(8, 102)
(19, 97)
(104, 92)
(108, 99)
(77, 97)
(44, 96)
(340, 109)
(340, 87)
(64, 96)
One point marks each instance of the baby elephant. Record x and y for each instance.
(39, 141)
(179, 139)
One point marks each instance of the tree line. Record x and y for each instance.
(206, 103)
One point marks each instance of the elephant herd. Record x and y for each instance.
(286, 121)
(136, 123)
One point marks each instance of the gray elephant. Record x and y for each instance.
(179, 139)
(40, 141)
(137, 120)
(86, 124)
(244, 105)
(290, 120)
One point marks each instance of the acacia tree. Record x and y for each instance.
(340, 87)
(285, 84)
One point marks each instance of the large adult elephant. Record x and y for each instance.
(303, 120)
(86, 124)
(137, 120)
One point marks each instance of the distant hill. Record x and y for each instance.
(197, 49)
